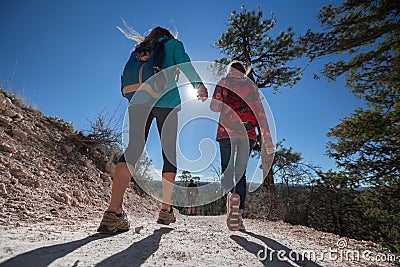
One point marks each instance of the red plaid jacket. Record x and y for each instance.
(249, 109)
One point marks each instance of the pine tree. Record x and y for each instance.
(248, 40)
(366, 37)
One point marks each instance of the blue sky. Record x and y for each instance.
(65, 58)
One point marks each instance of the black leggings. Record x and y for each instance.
(140, 119)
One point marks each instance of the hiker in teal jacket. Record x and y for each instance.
(165, 111)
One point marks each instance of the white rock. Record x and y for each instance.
(6, 103)
(18, 117)
(6, 147)
(3, 190)
(5, 120)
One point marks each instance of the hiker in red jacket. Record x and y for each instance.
(237, 99)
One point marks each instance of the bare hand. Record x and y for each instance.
(269, 147)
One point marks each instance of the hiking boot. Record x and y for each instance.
(166, 217)
(232, 207)
(241, 225)
(113, 223)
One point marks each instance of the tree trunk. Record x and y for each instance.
(268, 182)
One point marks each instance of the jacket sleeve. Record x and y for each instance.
(217, 100)
(182, 59)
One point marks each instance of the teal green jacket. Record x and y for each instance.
(174, 54)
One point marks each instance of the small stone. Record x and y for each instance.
(40, 173)
(5, 120)
(19, 134)
(3, 190)
(6, 147)
(18, 117)
(10, 113)
(138, 229)
(61, 197)
(370, 244)
(54, 211)
(68, 149)
(105, 177)
(6, 104)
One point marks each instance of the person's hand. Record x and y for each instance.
(202, 93)
(269, 147)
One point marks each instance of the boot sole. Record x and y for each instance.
(105, 230)
(232, 220)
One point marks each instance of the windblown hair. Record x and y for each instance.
(148, 40)
(155, 33)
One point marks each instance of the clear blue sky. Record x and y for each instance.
(65, 58)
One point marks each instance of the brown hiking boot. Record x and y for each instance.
(166, 217)
(113, 223)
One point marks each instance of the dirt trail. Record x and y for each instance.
(192, 241)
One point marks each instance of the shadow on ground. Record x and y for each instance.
(134, 256)
(138, 252)
(45, 255)
(272, 253)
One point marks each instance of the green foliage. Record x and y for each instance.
(381, 207)
(365, 37)
(368, 32)
(248, 39)
(368, 214)
(367, 146)
(367, 143)
(334, 208)
(185, 177)
(327, 201)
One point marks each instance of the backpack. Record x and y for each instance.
(245, 96)
(143, 76)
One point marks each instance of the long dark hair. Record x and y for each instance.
(155, 33)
